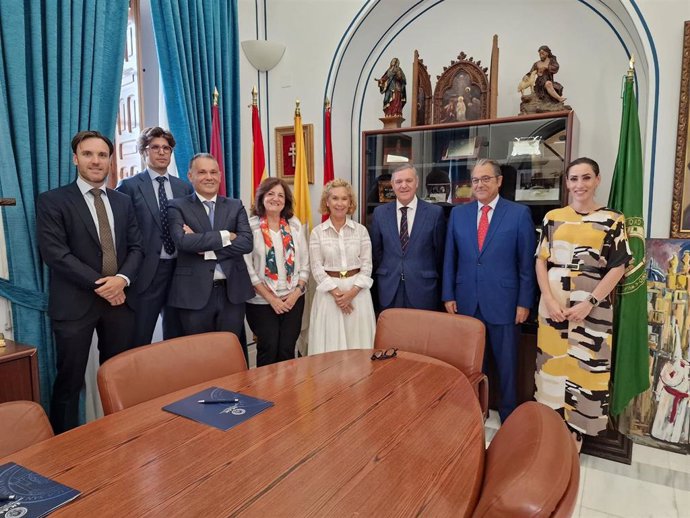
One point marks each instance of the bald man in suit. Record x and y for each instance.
(211, 284)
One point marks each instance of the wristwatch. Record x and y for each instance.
(593, 300)
(302, 288)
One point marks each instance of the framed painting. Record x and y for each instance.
(286, 152)
(680, 211)
(653, 419)
(462, 92)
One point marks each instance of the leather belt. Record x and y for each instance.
(578, 267)
(343, 275)
(219, 282)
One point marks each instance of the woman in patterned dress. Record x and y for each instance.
(581, 256)
(342, 313)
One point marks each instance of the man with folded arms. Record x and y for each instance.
(211, 283)
(89, 238)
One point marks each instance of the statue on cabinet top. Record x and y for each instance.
(392, 86)
(547, 94)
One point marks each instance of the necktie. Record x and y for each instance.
(483, 227)
(109, 266)
(168, 244)
(211, 214)
(404, 234)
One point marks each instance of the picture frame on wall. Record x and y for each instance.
(286, 152)
(680, 209)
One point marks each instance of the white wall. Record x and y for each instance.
(583, 34)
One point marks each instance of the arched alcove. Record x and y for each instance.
(592, 39)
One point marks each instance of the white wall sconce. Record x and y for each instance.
(262, 54)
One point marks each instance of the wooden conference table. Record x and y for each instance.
(347, 436)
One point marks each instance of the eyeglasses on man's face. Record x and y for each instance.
(159, 149)
(484, 179)
(384, 355)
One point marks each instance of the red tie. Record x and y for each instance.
(483, 227)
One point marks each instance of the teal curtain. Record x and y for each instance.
(60, 72)
(197, 47)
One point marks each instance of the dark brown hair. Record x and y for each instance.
(87, 134)
(583, 160)
(269, 183)
(148, 134)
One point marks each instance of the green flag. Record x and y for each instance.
(631, 366)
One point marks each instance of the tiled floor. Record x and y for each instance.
(655, 485)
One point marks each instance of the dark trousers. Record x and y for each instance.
(503, 340)
(113, 325)
(276, 335)
(151, 302)
(401, 300)
(219, 314)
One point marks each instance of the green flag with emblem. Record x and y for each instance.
(631, 365)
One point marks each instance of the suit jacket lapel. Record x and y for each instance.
(472, 207)
(220, 214)
(77, 199)
(419, 221)
(496, 219)
(392, 223)
(118, 216)
(150, 196)
(199, 212)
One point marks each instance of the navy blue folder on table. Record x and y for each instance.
(221, 415)
(34, 494)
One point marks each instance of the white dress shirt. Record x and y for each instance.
(210, 255)
(492, 204)
(85, 189)
(411, 211)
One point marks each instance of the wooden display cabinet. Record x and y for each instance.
(18, 373)
(532, 151)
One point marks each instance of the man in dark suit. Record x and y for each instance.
(150, 191)
(407, 239)
(89, 238)
(488, 270)
(212, 234)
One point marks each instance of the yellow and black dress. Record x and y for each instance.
(574, 359)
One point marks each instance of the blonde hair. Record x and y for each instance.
(338, 182)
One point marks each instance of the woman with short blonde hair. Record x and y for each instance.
(342, 314)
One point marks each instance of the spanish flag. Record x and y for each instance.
(258, 158)
(301, 190)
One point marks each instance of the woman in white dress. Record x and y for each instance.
(342, 314)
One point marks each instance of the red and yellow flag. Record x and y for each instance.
(328, 170)
(258, 158)
(216, 142)
(301, 189)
